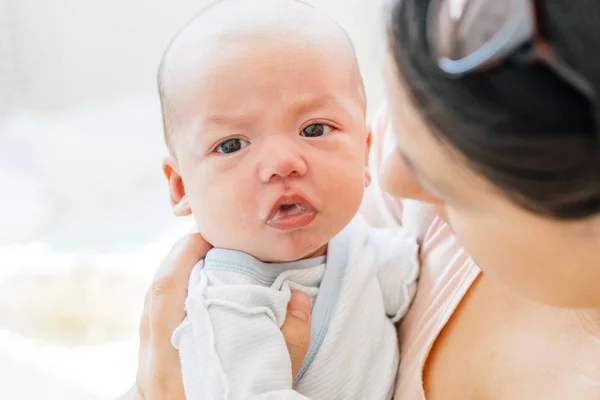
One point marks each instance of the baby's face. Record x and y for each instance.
(271, 146)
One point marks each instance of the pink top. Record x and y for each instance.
(446, 275)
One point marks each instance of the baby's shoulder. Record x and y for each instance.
(383, 244)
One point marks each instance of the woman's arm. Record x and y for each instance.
(159, 369)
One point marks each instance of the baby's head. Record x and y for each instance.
(264, 115)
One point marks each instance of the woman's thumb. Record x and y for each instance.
(296, 329)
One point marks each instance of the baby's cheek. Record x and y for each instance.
(345, 190)
(231, 213)
(203, 202)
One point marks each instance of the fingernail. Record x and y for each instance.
(300, 314)
(299, 305)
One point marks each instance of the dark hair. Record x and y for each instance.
(520, 126)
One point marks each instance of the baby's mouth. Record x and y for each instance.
(290, 212)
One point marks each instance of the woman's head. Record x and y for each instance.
(511, 154)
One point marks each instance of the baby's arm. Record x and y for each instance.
(230, 343)
(397, 269)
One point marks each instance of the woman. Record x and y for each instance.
(507, 155)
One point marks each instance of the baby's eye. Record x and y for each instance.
(316, 130)
(231, 146)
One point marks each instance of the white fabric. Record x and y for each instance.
(231, 346)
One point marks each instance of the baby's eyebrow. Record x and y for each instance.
(307, 104)
(301, 105)
(228, 120)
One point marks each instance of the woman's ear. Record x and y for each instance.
(179, 202)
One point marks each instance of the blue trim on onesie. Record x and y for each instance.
(266, 273)
(322, 312)
(244, 263)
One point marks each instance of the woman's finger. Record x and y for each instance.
(169, 288)
(159, 369)
(296, 329)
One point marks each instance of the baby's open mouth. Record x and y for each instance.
(287, 210)
(291, 212)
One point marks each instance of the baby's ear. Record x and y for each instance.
(368, 151)
(369, 142)
(181, 207)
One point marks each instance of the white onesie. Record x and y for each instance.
(230, 344)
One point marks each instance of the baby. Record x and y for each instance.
(265, 118)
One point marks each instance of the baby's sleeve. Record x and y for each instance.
(230, 344)
(397, 269)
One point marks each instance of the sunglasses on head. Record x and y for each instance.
(468, 36)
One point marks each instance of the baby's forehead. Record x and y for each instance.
(215, 39)
(229, 21)
(251, 77)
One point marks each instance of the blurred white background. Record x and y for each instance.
(84, 213)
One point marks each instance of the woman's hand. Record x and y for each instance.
(159, 370)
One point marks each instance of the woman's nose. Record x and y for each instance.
(396, 179)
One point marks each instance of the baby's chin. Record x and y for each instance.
(285, 252)
(276, 246)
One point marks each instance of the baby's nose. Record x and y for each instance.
(281, 158)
